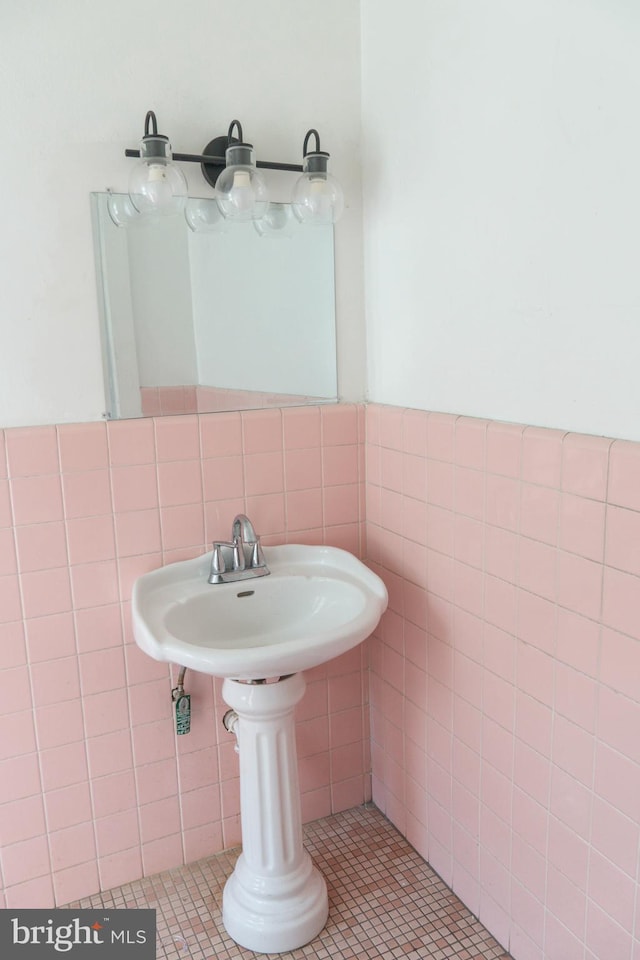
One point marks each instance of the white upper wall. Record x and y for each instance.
(501, 151)
(77, 80)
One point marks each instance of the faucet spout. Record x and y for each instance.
(243, 530)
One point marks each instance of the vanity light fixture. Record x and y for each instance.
(158, 186)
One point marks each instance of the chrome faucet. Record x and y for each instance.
(239, 558)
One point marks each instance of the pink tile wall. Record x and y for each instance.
(95, 789)
(505, 676)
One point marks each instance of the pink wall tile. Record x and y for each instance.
(304, 509)
(131, 442)
(55, 681)
(76, 882)
(390, 427)
(575, 696)
(582, 526)
(163, 854)
(620, 602)
(32, 451)
(33, 894)
(573, 750)
(90, 539)
(542, 456)
(579, 584)
(268, 514)
(36, 499)
(40, 547)
(25, 860)
(613, 890)
(339, 424)
(46, 592)
(113, 793)
(440, 483)
(264, 473)
(504, 448)
(68, 806)
(177, 438)
(537, 568)
(63, 765)
(301, 427)
(620, 662)
(302, 469)
(20, 777)
(585, 465)
(339, 464)
(261, 431)
(223, 478)
(120, 868)
(605, 935)
(470, 442)
(414, 432)
(109, 753)
(137, 531)
(83, 446)
(618, 723)
(87, 494)
(134, 487)
(624, 474)
(391, 470)
(179, 481)
(536, 621)
(102, 670)
(22, 820)
(623, 539)
(94, 584)
(615, 836)
(6, 515)
(539, 512)
(502, 508)
(182, 526)
(469, 492)
(414, 476)
(117, 832)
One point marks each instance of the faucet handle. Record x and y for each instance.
(218, 564)
(257, 556)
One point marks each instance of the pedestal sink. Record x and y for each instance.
(317, 603)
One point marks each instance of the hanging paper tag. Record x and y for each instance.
(183, 714)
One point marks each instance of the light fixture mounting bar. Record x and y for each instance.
(207, 158)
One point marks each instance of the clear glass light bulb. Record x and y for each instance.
(317, 198)
(157, 185)
(242, 192)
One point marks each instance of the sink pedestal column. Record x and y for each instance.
(275, 900)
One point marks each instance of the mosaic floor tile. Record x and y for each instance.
(384, 901)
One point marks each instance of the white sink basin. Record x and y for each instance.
(316, 603)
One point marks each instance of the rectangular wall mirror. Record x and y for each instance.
(200, 321)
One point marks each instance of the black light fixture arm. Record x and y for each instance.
(305, 145)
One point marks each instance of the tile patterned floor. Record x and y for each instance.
(384, 901)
